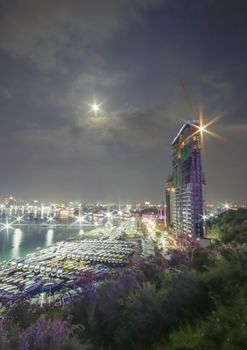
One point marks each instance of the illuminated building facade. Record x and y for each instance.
(184, 189)
(170, 191)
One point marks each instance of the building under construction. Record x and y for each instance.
(184, 188)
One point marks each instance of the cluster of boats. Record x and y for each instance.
(55, 270)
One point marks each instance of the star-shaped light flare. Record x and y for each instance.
(202, 128)
(95, 107)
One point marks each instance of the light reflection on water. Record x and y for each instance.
(16, 242)
(21, 241)
(49, 237)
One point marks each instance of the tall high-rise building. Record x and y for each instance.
(184, 188)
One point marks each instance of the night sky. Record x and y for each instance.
(56, 56)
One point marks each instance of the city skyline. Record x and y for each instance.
(92, 94)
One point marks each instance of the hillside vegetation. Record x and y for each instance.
(157, 304)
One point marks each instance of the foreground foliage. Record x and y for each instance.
(157, 304)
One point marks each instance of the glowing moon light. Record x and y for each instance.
(95, 107)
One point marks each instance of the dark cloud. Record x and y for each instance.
(45, 32)
(57, 56)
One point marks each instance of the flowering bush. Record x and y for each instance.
(46, 334)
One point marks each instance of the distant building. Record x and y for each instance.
(184, 188)
(64, 214)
